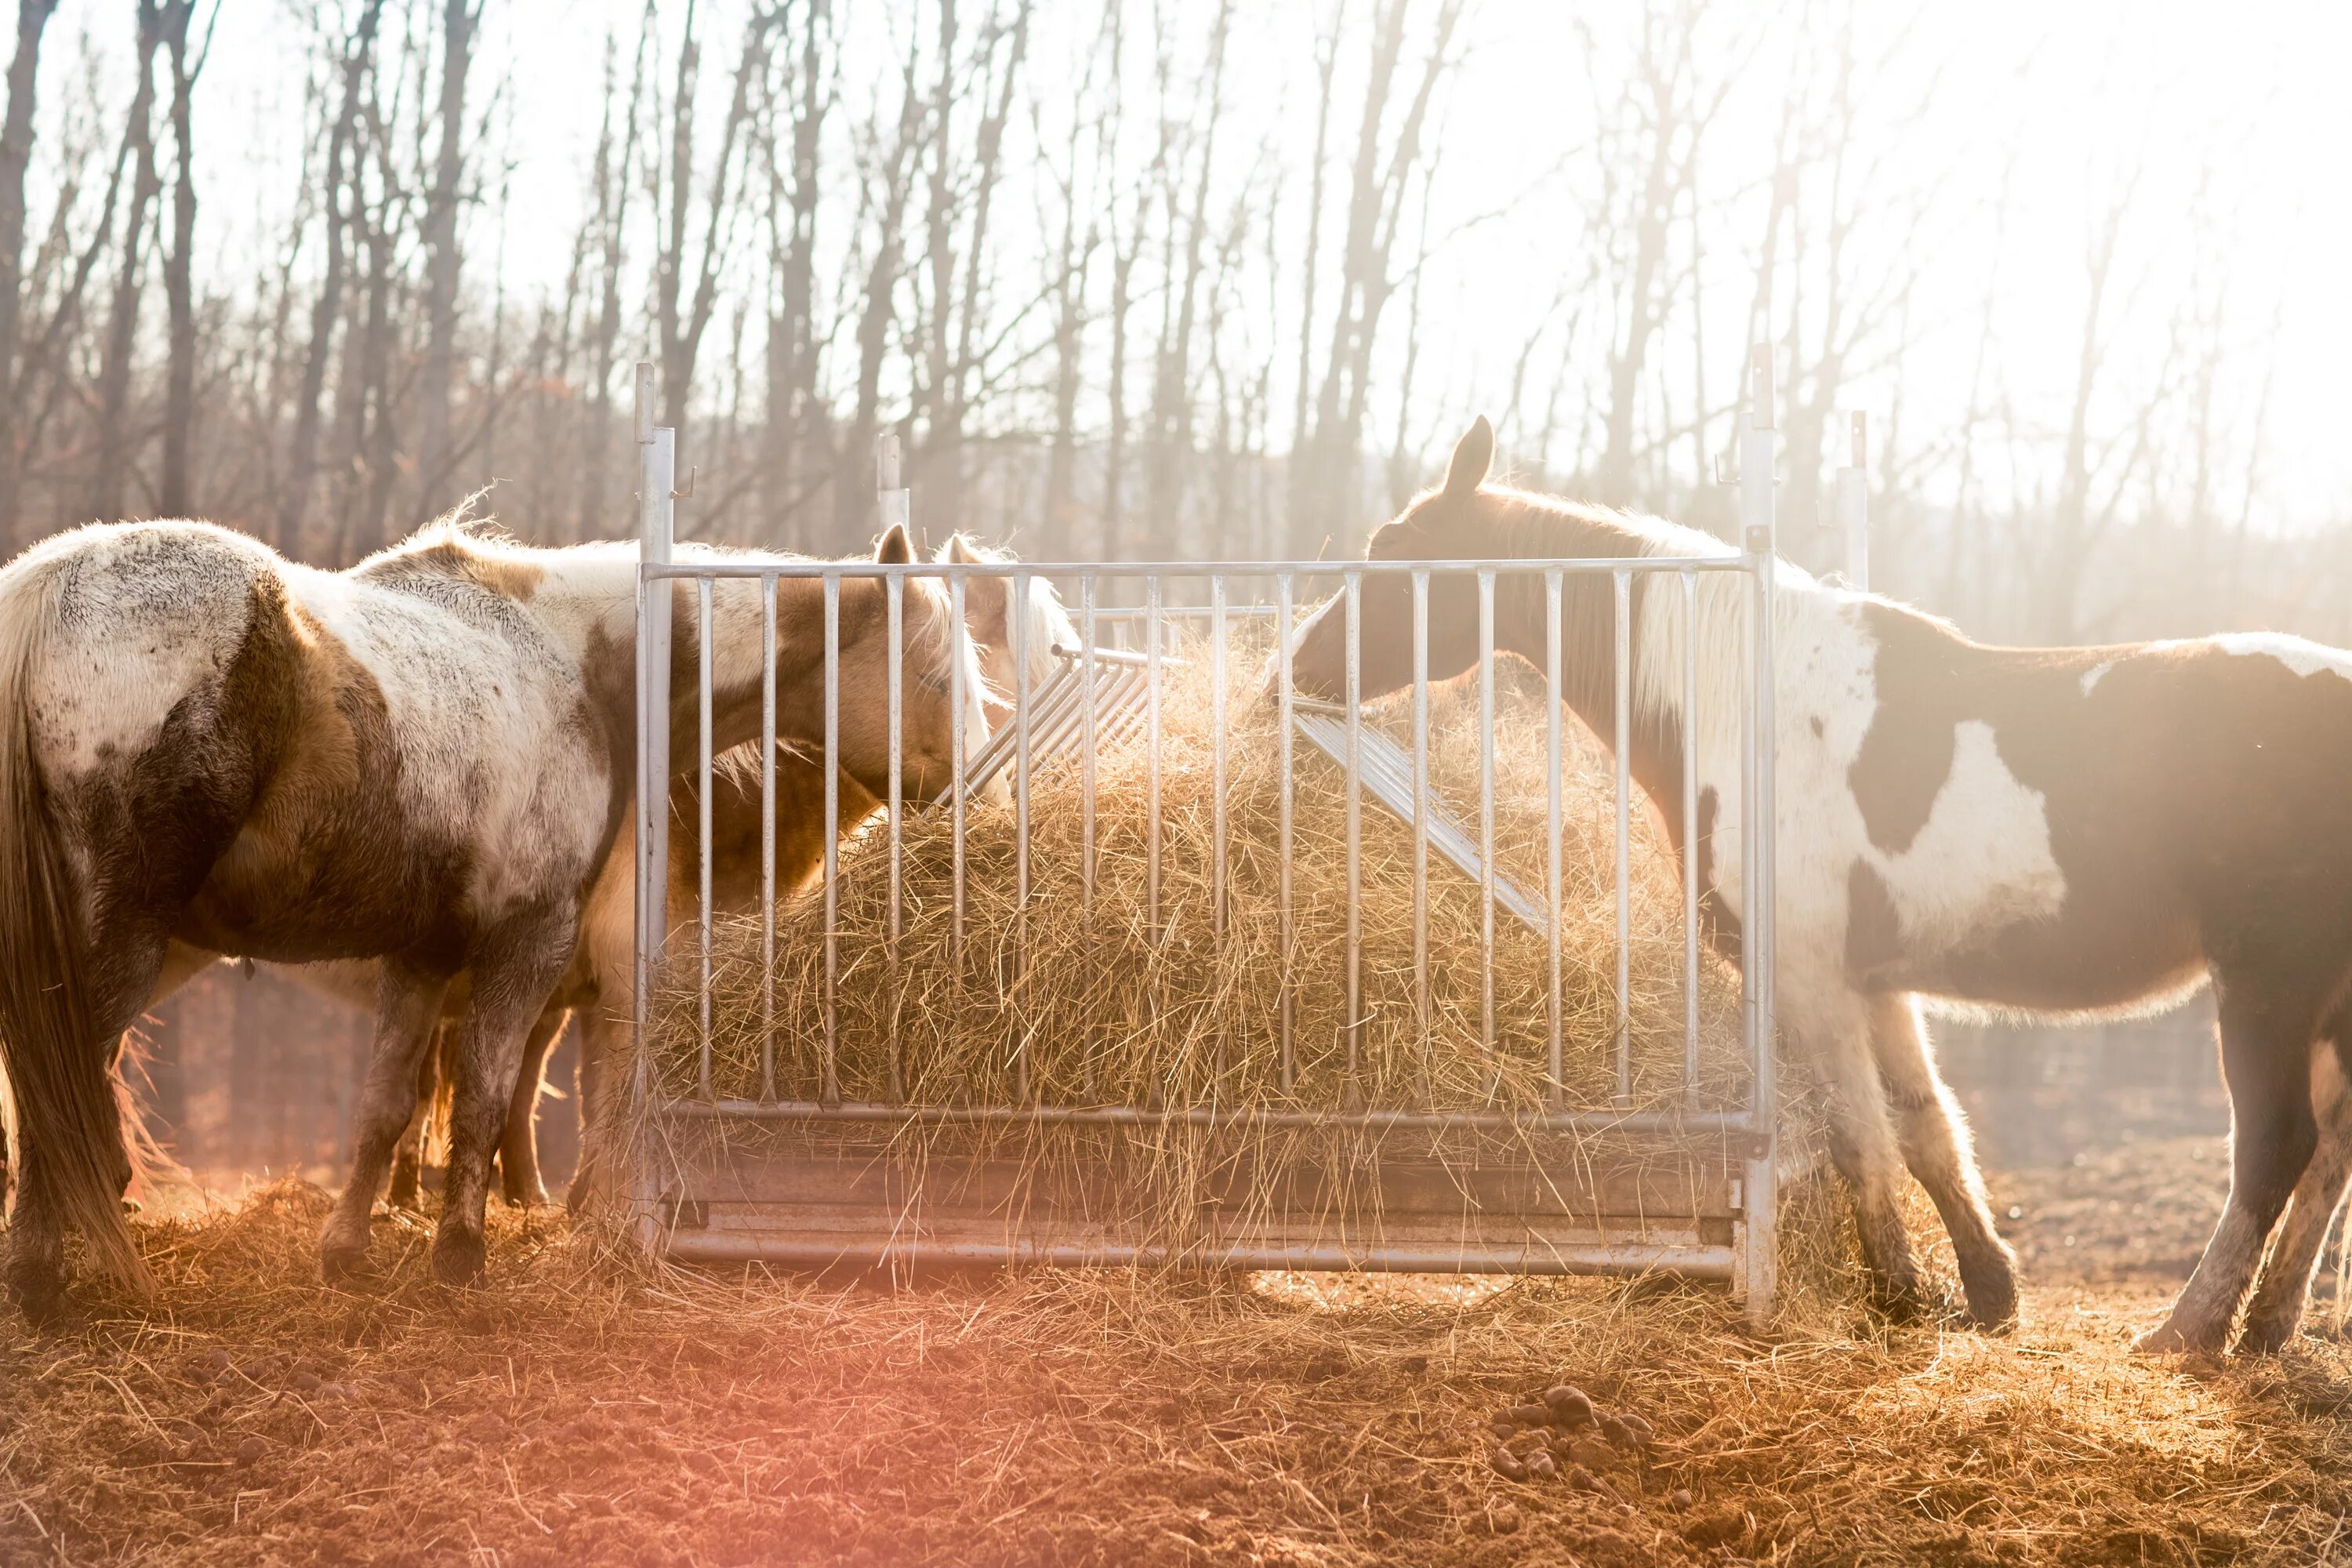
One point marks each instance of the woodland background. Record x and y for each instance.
(1130, 279)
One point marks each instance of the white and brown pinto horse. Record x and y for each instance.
(2048, 832)
(421, 760)
(598, 991)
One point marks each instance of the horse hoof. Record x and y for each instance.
(2168, 1338)
(2265, 1336)
(1993, 1312)
(458, 1258)
(1908, 1304)
(40, 1296)
(341, 1264)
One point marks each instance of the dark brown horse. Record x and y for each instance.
(2043, 832)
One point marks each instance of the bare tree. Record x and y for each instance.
(460, 22)
(16, 156)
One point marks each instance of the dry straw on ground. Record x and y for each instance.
(583, 1410)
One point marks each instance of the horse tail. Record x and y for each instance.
(60, 1079)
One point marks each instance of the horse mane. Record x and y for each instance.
(1522, 524)
(1049, 624)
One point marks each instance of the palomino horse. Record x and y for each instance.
(2040, 831)
(599, 989)
(423, 760)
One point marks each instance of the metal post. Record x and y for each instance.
(1854, 504)
(1760, 1193)
(657, 478)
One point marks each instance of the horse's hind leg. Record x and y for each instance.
(515, 969)
(1934, 1137)
(518, 1145)
(2276, 1311)
(409, 1003)
(2266, 1063)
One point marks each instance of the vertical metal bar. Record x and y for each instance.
(895, 590)
(1016, 614)
(1487, 809)
(829, 1090)
(1217, 757)
(955, 765)
(1087, 758)
(1282, 589)
(1622, 658)
(1556, 1016)
(1760, 1187)
(657, 480)
(1355, 1017)
(703, 639)
(767, 837)
(1690, 836)
(1420, 822)
(656, 476)
(1151, 631)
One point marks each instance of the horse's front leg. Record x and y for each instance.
(515, 967)
(1832, 1022)
(2276, 1311)
(2266, 1047)
(1934, 1138)
(408, 1004)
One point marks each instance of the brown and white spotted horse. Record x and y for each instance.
(422, 760)
(2050, 832)
(598, 990)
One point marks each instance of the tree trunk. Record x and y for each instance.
(16, 155)
(173, 496)
(112, 455)
(301, 468)
(459, 21)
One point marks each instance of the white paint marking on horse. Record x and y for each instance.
(2097, 673)
(1983, 859)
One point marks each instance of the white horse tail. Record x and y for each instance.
(60, 1076)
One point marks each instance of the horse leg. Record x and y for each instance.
(601, 1041)
(515, 969)
(2266, 1064)
(518, 1145)
(408, 1004)
(407, 1189)
(2276, 1311)
(1862, 1142)
(1934, 1137)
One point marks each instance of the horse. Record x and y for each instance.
(421, 759)
(598, 990)
(2052, 832)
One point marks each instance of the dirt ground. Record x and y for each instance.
(580, 1412)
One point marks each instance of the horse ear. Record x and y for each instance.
(896, 549)
(1473, 456)
(959, 550)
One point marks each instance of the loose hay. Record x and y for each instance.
(586, 1411)
(1111, 994)
(1095, 1004)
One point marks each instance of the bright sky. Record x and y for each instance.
(2240, 112)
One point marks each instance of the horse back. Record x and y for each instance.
(2146, 804)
